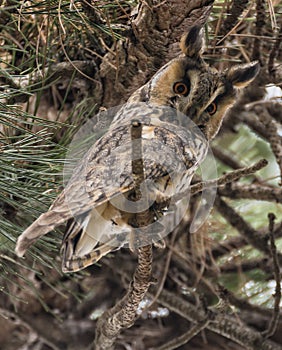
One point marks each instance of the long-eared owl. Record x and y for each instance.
(178, 111)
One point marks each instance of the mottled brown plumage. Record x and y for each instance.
(96, 202)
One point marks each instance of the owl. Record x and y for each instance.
(164, 128)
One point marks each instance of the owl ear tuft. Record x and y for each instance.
(243, 74)
(191, 43)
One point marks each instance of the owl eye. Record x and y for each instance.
(181, 88)
(212, 108)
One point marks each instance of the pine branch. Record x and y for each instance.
(124, 313)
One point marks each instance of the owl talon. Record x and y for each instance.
(160, 244)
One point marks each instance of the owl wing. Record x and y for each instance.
(103, 179)
(87, 188)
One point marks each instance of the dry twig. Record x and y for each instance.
(33, 327)
(225, 179)
(240, 303)
(273, 136)
(260, 23)
(226, 158)
(276, 271)
(243, 227)
(235, 12)
(219, 323)
(184, 338)
(256, 192)
(238, 242)
(275, 50)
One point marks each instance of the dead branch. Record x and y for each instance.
(238, 114)
(236, 220)
(240, 303)
(184, 338)
(239, 265)
(226, 158)
(276, 271)
(236, 10)
(275, 51)
(219, 324)
(235, 243)
(260, 23)
(273, 136)
(17, 319)
(255, 192)
(274, 109)
(251, 120)
(42, 326)
(166, 267)
(229, 177)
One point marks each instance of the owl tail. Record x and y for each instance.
(72, 263)
(44, 224)
(90, 236)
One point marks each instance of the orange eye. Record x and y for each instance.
(212, 108)
(180, 88)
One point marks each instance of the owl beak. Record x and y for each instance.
(188, 110)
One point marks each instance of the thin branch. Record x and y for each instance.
(244, 266)
(260, 23)
(226, 158)
(243, 227)
(184, 338)
(251, 120)
(273, 136)
(256, 192)
(240, 303)
(25, 322)
(246, 231)
(92, 12)
(274, 109)
(229, 177)
(275, 50)
(232, 18)
(235, 243)
(165, 269)
(276, 271)
(220, 324)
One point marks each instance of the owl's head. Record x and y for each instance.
(197, 90)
